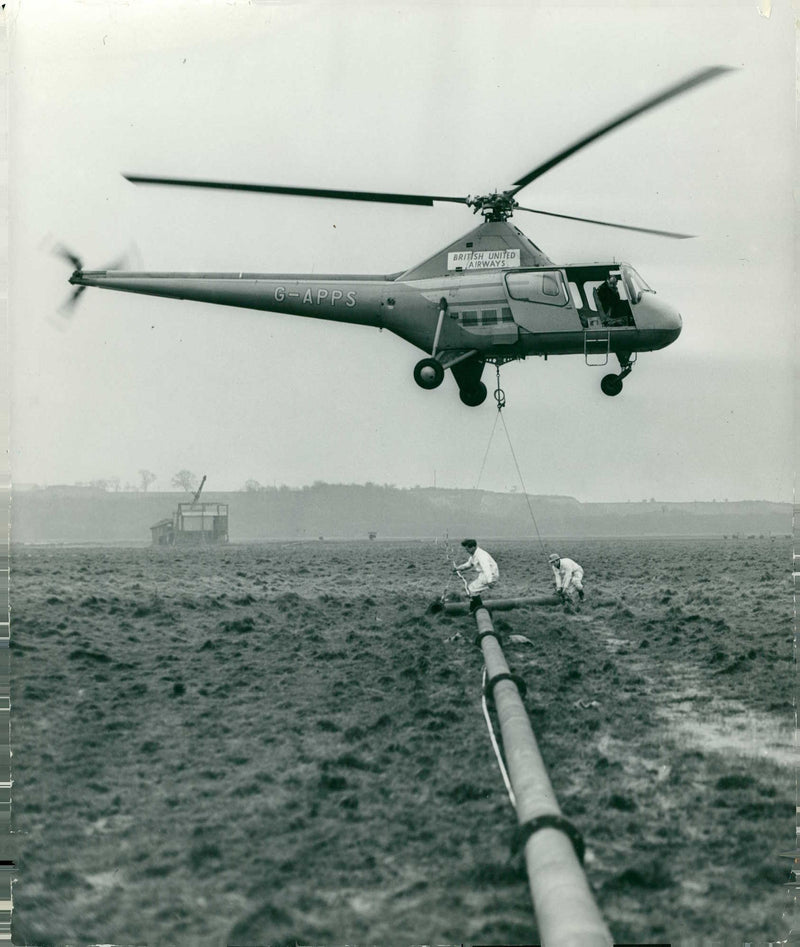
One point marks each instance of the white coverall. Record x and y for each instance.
(487, 570)
(568, 576)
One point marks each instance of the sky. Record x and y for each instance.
(440, 98)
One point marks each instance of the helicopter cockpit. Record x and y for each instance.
(634, 284)
(606, 295)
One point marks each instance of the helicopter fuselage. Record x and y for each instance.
(511, 313)
(490, 296)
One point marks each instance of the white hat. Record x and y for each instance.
(554, 557)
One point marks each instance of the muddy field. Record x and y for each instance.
(276, 744)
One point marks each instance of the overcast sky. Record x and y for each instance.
(442, 98)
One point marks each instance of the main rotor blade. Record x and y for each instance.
(424, 200)
(697, 79)
(605, 223)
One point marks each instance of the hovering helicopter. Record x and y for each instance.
(490, 296)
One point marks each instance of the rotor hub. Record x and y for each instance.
(496, 206)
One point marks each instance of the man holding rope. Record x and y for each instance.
(484, 566)
(568, 577)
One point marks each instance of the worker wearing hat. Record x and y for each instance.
(568, 576)
(485, 567)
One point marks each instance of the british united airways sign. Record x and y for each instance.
(483, 259)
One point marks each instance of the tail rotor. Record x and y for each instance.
(67, 308)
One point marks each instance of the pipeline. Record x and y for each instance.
(566, 913)
(503, 604)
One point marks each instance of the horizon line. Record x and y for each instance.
(108, 487)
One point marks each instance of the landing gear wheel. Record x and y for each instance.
(611, 385)
(428, 373)
(472, 397)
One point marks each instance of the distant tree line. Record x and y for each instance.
(254, 486)
(183, 480)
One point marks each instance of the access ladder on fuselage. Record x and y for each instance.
(596, 345)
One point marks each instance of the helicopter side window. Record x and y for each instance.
(483, 317)
(538, 287)
(550, 286)
(577, 302)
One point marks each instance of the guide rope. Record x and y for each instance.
(495, 746)
(449, 556)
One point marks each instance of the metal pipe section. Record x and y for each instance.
(503, 604)
(566, 913)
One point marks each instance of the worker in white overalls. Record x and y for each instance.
(486, 569)
(568, 576)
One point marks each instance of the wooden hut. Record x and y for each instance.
(193, 524)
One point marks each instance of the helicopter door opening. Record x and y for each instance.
(608, 298)
(541, 302)
(605, 294)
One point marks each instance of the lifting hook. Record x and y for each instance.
(499, 394)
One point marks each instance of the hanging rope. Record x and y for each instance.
(522, 483)
(486, 454)
(500, 398)
(438, 604)
(450, 558)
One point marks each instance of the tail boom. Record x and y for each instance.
(354, 299)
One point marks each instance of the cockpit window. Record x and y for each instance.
(634, 283)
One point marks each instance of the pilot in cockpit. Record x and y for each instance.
(611, 303)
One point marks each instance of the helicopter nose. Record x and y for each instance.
(672, 321)
(659, 319)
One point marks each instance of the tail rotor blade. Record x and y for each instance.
(66, 254)
(119, 264)
(68, 306)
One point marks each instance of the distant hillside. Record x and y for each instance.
(73, 514)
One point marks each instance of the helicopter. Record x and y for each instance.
(491, 296)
